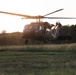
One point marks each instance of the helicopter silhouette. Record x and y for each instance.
(42, 31)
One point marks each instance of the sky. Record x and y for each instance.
(12, 23)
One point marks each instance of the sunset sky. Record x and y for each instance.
(12, 23)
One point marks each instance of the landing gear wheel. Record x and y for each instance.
(26, 41)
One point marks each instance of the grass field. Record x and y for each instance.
(38, 60)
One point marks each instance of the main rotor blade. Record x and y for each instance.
(28, 16)
(53, 12)
(60, 17)
(51, 18)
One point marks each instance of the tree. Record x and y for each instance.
(4, 31)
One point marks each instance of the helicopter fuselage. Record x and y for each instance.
(36, 31)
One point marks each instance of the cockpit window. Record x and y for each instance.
(28, 27)
(40, 28)
(35, 27)
(31, 27)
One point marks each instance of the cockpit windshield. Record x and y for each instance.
(31, 27)
(28, 27)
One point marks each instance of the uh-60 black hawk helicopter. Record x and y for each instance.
(42, 31)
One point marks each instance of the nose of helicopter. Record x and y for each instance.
(28, 34)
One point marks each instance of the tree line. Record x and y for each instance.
(11, 38)
(69, 31)
(15, 38)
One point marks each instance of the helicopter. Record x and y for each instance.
(42, 31)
